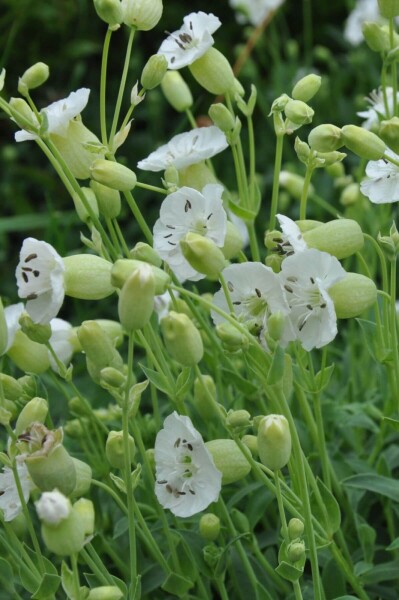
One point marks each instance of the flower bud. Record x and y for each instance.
(23, 115)
(105, 592)
(154, 71)
(336, 170)
(279, 103)
(144, 252)
(340, 237)
(75, 151)
(325, 138)
(362, 142)
(124, 268)
(274, 262)
(33, 77)
(11, 387)
(80, 208)
(306, 88)
(108, 200)
(213, 72)
(113, 174)
(203, 254)
(298, 112)
(221, 116)
(114, 449)
(205, 400)
(84, 476)
(233, 242)
(240, 521)
(68, 537)
(376, 36)
(229, 460)
(296, 551)
(274, 442)
(197, 176)
(238, 419)
(75, 429)
(35, 331)
(29, 356)
(87, 277)
(350, 194)
(275, 325)
(34, 411)
(182, 339)
(171, 178)
(353, 295)
(295, 528)
(109, 11)
(99, 349)
(293, 183)
(389, 132)
(209, 527)
(251, 442)
(233, 339)
(136, 300)
(389, 8)
(176, 91)
(302, 150)
(142, 14)
(53, 507)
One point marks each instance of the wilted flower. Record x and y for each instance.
(181, 48)
(40, 279)
(187, 480)
(254, 11)
(10, 503)
(61, 342)
(184, 211)
(291, 239)
(186, 149)
(12, 314)
(306, 277)
(382, 185)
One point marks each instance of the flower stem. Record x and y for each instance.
(276, 180)
(122, 86)
(305, 192)
(103, 86)
(75, 571)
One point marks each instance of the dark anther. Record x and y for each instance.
(257, 291)
(30, 257)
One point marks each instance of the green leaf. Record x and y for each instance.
(6, 575)
(276, 371)
(367, 536)
(384, 572)
(177, 585)
(333, 580)
(67, 580)
(135, 395)
(392, 422)
(394, 545)
(329, 514)
(322, 378)
(242, 384)
(120, 527)
(120, 484)
(157, 379)
(288, 571)
(374, 483)
(183, 382)
(48, 586)
(29, 580)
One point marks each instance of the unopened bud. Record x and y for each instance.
(240, 521)
(376, 36)
(115, 449)
(353, 295)
(176, 91)
(389, 132)
(124, 268)
(113, 174)
(233, 339)
(205, 397)
(12, 388)
(33, 77)
(209, 527)
(363, 143)
(221, 116)
(325, 138)
(296, 551)
(276, 325)
(295, 528)
(34, 331)
(108, 200)
(109, 11)
(280, 103)
(80, 208)
(136, 300)
(197, 176)
(182, 339)
(69, 536)
(142, 14)
(340, 237)
(293, 183)
(34, 411)
(203, 254)
(29, 356)
(229, 460)
(99, 349)
(274, 442)
(306, 88)
(213, 72)
(23, 115)
(350, 194)
(87, 277)
(298, 112)
(146, 253)
(251, 442)
(238, 419)
(302, 150)
(154, 71)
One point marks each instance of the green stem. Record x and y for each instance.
(138, 216)
(276, 180)
(152, 188)
(253, 241)
(92, 559)
(305, 190)
(75, 571)
(103, 86)
(394, 76)
(122, 86)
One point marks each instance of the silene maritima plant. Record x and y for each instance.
(224, 423)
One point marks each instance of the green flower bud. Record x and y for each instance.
(238, 419)
(221, 116)
(295, 528)
(68, 537)
(325, 138)
(85, 509)
(150, 453)
(298, 112)
(340, 237)
(176, 91)
(34, 411)
(33, 77)
(293, 183)
(114, 449)
(274, 442)
(105, 592)
(99, 349)
(325, 159)
(389, 8)
(74, 148)
(205, 400)
(302, 150)
(34, 331)
(362, 142)
(182, 339)
(171, 179)
(108, 200)
(154, 71)
(124, 268)
(91, 199)
(389, 132)
(113, 329)
(233, 242)
(29, 356)
(306, 88)
(113, 174)
(11, 387)
(229, 460)
(274, 262)
(23, 115)
(350, 195)
(209, 527)
(240, 521)
(144, 252)
(197, 176)
(112, 377)
(203, 254)
(87, 277)
(296, 551)
(353, 295)
(84, 476)
(336, 170)
(109, 11)
(280, 103)
(213, 72)
(233, 339)
(136, 300)
(376, 36)
(251, 442)
(276, 325)
(74, 429)
(142, 14)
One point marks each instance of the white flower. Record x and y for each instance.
(255, 293)
(60, 340)
(291, 239)
(163, 303)
(186, 149)
(241, 226)
(382, 187)
(365, 10)
(59, 114)
(40, 279)
(181, 48)
(184, 211)
(376, 111)
(9, 500)
(187, 480)
(254, 11)
(12, 314)
(306, 277)
(53, 507)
